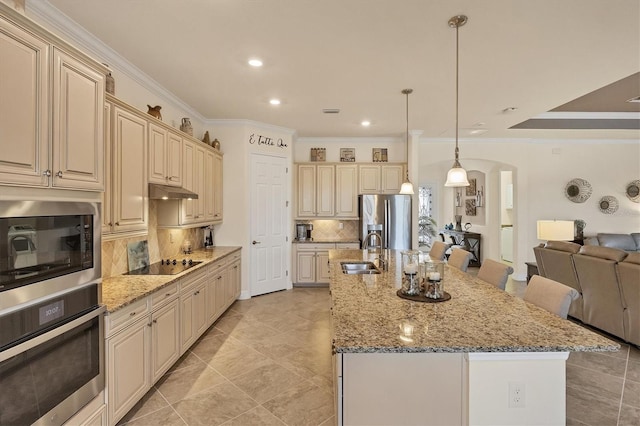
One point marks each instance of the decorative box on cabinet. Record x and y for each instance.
(69, 152)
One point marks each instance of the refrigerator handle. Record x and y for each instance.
(386, 223)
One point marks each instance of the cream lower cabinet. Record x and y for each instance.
(193, 308)
(128, 359)
(142, 344)
(312, 263)
(234, 278)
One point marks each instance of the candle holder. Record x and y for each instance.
(434, 279)
(410, 269)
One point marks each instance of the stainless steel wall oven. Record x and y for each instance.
(51, 320)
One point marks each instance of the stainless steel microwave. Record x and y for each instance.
(47, 248)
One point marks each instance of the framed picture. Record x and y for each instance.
(471, 189)
(347, 155)
(318, 154)
(470, 207)
(380, 155)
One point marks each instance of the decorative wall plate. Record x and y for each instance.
(633, 191)
(608, 204)
(578, 190)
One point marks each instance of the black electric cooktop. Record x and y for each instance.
(165, 267)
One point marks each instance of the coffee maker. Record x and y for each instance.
(303, 231)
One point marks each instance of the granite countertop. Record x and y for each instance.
(327, 240)
(368, 316)
(122, 290)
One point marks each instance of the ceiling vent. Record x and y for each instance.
(331, 111)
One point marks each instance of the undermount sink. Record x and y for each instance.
(359, 268)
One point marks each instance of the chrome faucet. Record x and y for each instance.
(382, 264)
(365, 243)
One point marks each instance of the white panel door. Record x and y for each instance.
(269, 214)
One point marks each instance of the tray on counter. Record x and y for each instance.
(422, 298)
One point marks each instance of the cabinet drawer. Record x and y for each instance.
(126, 316)
(163, 295)
(348, 246)
(315, 246)
(187, 282)
(216, 267)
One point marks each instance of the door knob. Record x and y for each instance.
(254, 242)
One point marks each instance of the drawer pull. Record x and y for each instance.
(155, 321)
(132, 314)
(167, 295)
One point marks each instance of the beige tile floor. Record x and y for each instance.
(267, 361)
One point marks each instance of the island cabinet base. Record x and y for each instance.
(400, 388)
(450, 388)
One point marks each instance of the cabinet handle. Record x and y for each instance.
(149, 324)
(236, 267)
(220, 277)
(155, 321)
(59, 174)
(132, 314)
(117, 223)
(46, 173)
(196, 293)
(110, 223)
(170, 177)
(167, 295)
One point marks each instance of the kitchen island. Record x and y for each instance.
(483, 357)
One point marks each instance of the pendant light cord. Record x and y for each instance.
(457, 91)
(407, 92)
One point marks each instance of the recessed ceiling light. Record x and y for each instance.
(255, 62)
(274, 101)
(366, 123)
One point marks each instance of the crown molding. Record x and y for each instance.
(47, 15)
(240, 122)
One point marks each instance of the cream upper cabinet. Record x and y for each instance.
(380, 179)
(165, 156)
(107, 209)
(316, 190)
(43, 84)
(24, 110)
(391, 178)
(347, 191)
(78, 103)
(208, 186)
(217, 186)
(129, 180)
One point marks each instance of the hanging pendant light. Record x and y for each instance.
(407, 186)
(457, 176)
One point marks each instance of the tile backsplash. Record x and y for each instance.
(324, 229)
(163, 243)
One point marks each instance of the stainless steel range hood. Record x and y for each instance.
(166, 192)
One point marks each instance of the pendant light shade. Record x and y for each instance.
(407, 186)
(457, 176)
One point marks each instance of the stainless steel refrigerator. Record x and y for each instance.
(393, 212)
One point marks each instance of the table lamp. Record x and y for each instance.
(557, 230)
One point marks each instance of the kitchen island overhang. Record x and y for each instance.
(455, 362)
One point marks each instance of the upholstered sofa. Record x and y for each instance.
(626, 242)
(607, 278)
